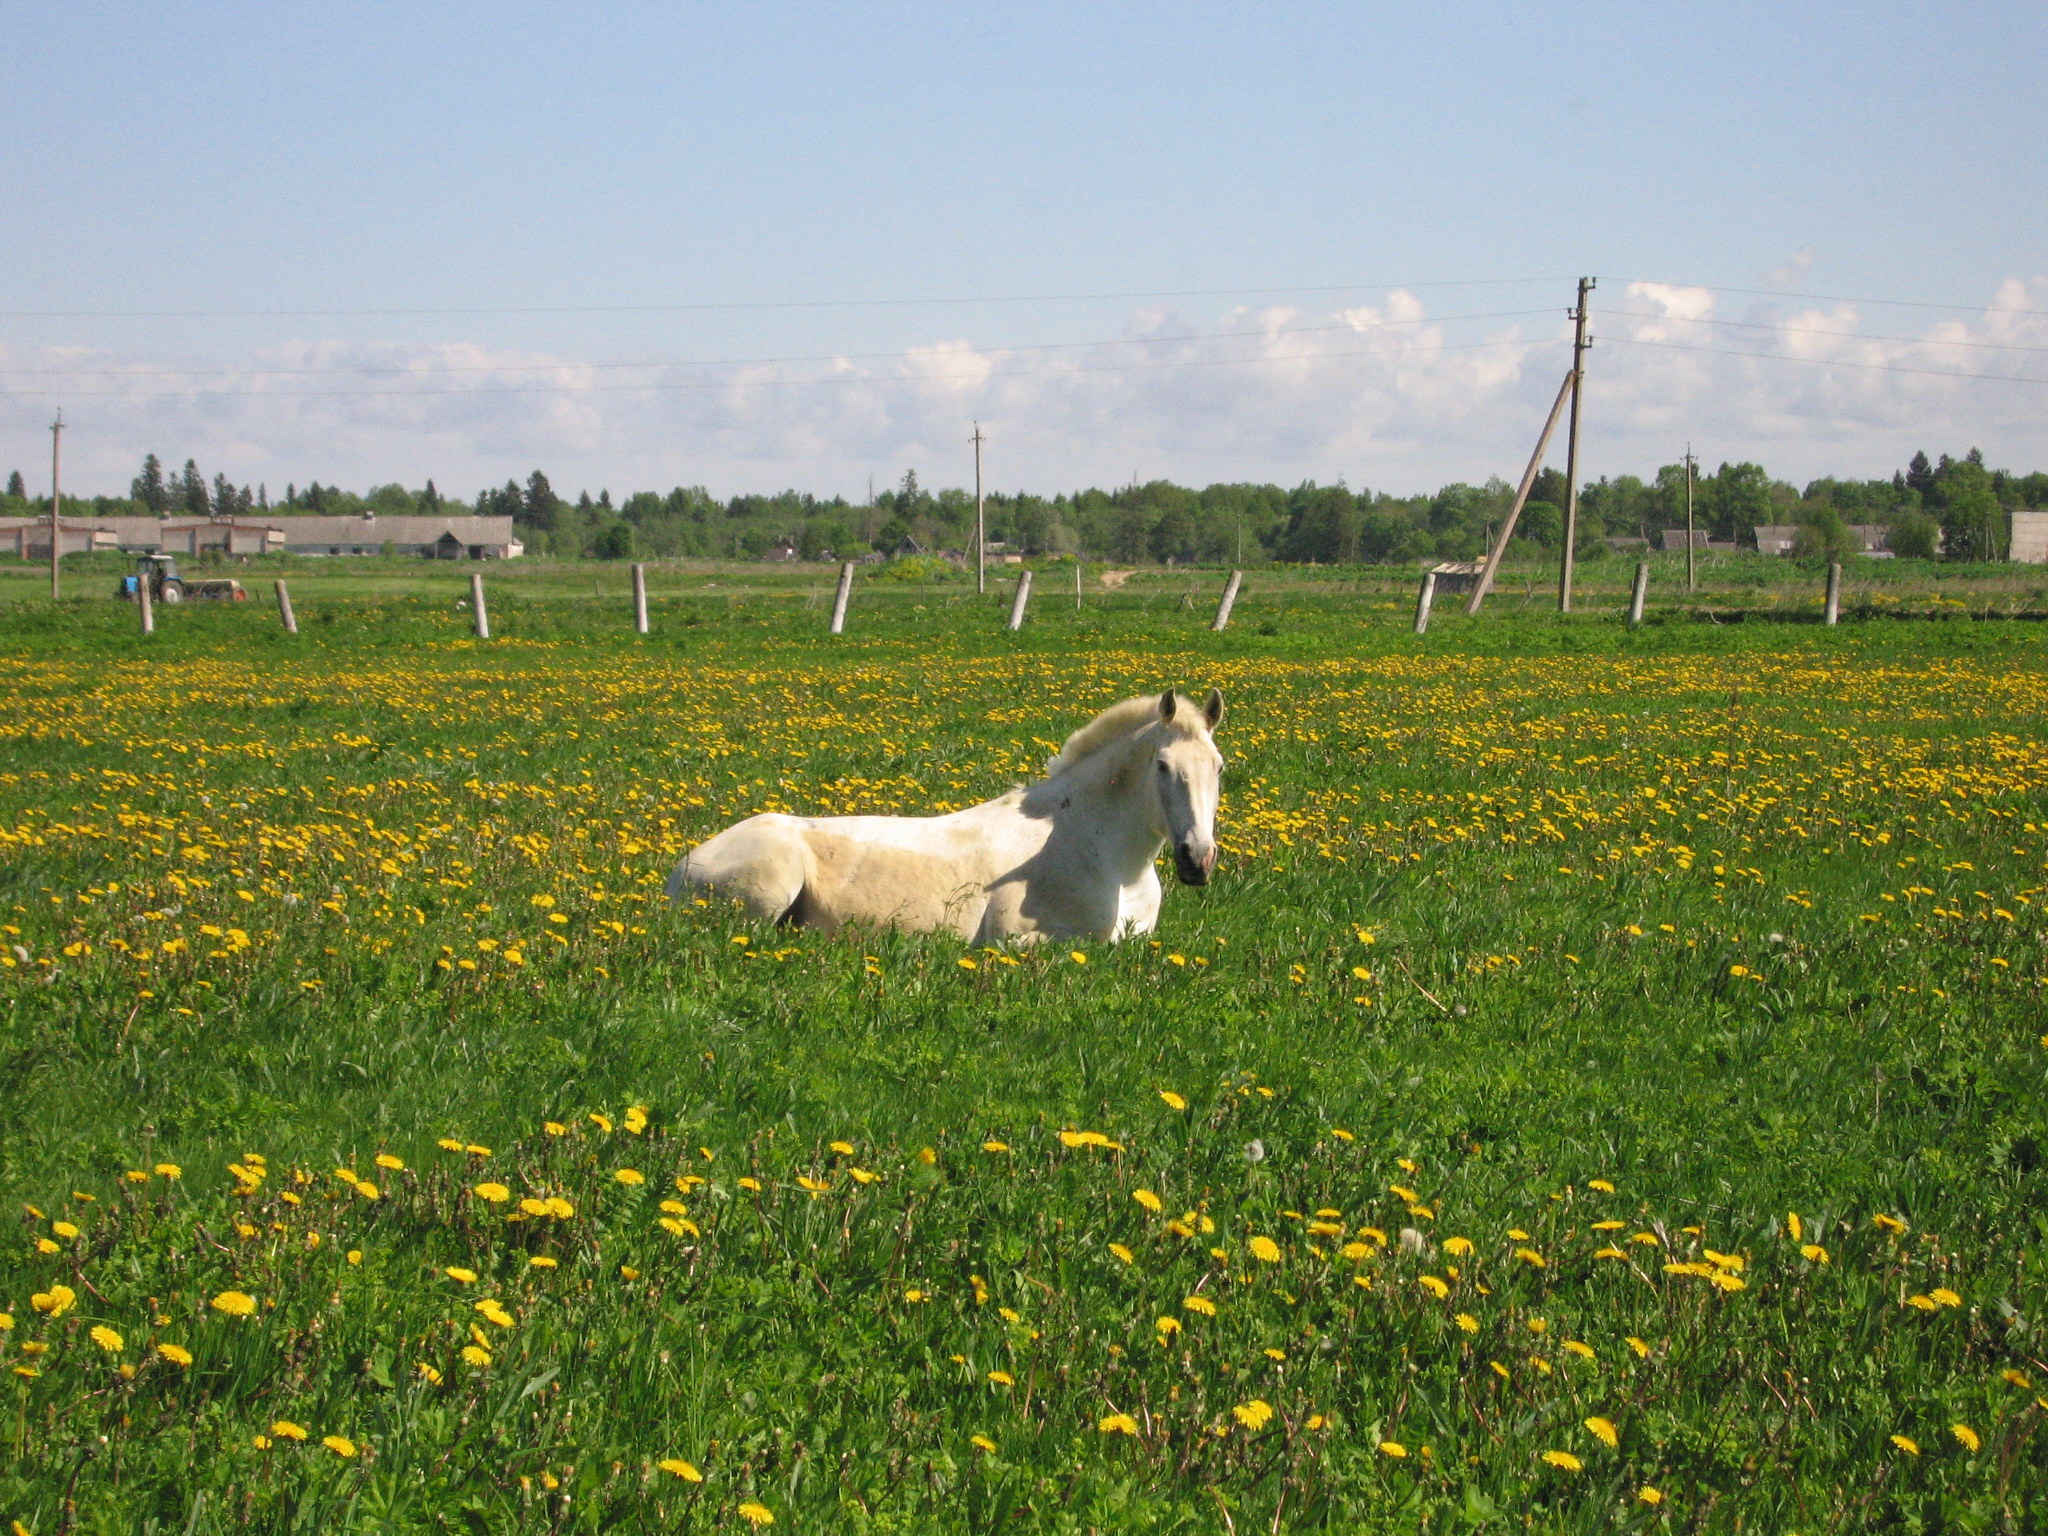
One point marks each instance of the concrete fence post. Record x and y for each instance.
(285, 615)
(1425, 599)
(1222, 620)
(478, 614)
(1637, 597)
(1017, 603)
(1834, 606)
(145, 608)
(840, 598)
(639, 598)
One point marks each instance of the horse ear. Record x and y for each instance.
(1213, 710)
(1166, 705)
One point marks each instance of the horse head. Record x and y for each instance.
(1188, 776)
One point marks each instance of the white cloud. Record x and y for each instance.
(1386, 395)
(1794, 271)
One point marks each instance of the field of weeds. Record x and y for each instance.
(1605, 1089)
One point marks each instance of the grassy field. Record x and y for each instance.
(1605, 1089)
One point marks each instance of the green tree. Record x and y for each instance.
(149, 487)
(614, 541)
(16, 487)
(1824, 536)
(542, 506)
(192, 492)
(1914, 536)
(1541, 522)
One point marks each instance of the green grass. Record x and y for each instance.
(1743, 919)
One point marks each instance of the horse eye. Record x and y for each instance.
(1162, 765)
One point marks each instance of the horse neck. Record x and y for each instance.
(1111, 800)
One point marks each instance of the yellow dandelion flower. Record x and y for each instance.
(1201, 1304)
(285, 1429)
(1253, 1415)
(1467, 1322)
(1172, 1100)
(1077, 957)
(541, 1261)
(449, 1144)
(1922, 1303)
(554, 1128)
(386, 1160)
(476, 1355)
(1942, 1296)
(494, 1312)
(341, 1445)
(168, 1171)
(497, 1194)
(177, 1354)
(756, 1514)
(1123, 1253)
(1603, 1430)
(428, 1374)
(1457, 1247)
(1602, 1185)
(1002, 1378)
(1907, 1444)
(108, 1340)
(234, 1303)
(1118, 1424)
(630, 1176)
(1640, 1346)
(1147, 1199)
(1564, 1461)
(1433, 1285)
(64, 1229)
(1265, 1250)
(995, 1146)
(675, 1466)
(982, 1443)
(2017, 1378)
(1393, 1448)
(460, 1275)
(1813, 1253)
(1649, 1495)
(1966, 1437)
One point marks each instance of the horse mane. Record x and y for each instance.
(1113, 724)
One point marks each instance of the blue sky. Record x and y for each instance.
(1267, 189)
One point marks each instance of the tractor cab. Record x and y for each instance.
(160, 574)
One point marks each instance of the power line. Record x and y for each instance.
(743, 305)
(734, 362)
(1828, 362)
(1834, 298)
(1808, 330)
(991, 376)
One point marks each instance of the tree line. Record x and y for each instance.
(1957, 506)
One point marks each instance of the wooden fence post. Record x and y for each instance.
(1222, 620)
(839, 600)
(1834, 592)
(1017, 603)
(143, 606)
(1636, 598)
(1424, 600)
(477, 612)
(639, 598)
(284, 609)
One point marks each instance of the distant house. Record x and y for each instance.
(2030, 537)
(1873, 539)
(461, 537)
(1674, 538)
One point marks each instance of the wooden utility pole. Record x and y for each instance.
(56, 496)
(1692, 580)
(980, 521)
(1571, 450)
(1507, 528)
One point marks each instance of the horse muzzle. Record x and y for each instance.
(1193, 869)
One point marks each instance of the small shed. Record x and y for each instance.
(1456, 575)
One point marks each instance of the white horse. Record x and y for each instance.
(1070, 855)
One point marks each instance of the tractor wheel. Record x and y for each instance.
(171, 592)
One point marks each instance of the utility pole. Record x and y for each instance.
(1691, 553)
(980, 521)
(1571, 452)
(56, 495)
